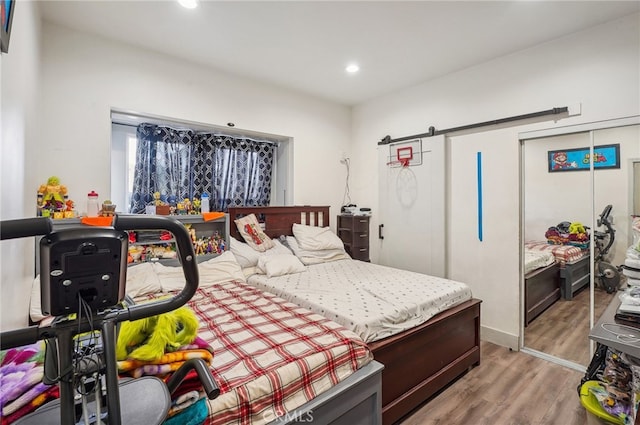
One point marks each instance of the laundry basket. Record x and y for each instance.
(596, 415)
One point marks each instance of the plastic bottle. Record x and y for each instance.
(92, 204)
(204, 203)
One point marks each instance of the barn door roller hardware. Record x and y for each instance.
(433, 132)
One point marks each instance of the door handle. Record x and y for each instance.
(380, 226)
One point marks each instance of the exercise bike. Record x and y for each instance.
(83, 277)
(607, 275)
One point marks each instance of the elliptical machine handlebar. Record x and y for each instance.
(39, 226)
(603, 220)
(186, 254)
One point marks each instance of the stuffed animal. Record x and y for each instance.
(150, 338)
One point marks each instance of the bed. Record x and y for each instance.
(575, 264)
(274, 362)
(273, 357)
(541, 283)
(419, 360)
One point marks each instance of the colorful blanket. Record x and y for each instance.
(170, 362)
(21, 387)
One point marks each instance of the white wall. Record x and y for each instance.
(20, 91)
(598, 68)
(83, 77)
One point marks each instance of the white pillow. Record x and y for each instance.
(247, 257)
(219, 269)
(142, 279)
(278, 249)
(35, 304)
(280, 264)
(309, 257)
(315, 238)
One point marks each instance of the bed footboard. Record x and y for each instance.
(574, 277)
(423, 360)
(541, 290)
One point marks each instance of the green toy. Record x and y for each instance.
(150, 338)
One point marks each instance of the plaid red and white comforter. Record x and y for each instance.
(565, 254)
(270, 356)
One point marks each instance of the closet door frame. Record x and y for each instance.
(589, 128)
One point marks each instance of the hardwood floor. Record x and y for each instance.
(508, 388)
(515, 388)
(563, 329)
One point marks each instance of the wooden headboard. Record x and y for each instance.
(279, 220)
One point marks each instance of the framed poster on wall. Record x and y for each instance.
(604, 156)
(6, 13)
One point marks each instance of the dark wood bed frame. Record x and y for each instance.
(419, 362)
(574, 276)
(541, 290)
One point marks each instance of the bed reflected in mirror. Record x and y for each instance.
(557, 259)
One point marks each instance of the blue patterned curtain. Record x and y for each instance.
(242, 170)
(184, 164)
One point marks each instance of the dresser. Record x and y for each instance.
(353, 230)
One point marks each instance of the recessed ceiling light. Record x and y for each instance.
(189, 4)
(352, 69)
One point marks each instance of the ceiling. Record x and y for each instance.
(306, 45)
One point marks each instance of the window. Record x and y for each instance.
(201, 160)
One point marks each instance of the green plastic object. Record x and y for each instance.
(590, 402)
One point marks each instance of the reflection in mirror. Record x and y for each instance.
(556, 268)
(557, 200)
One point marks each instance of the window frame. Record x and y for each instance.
(123, 128)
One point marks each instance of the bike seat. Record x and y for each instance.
(143, 401)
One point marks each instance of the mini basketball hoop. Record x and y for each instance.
(403, 156)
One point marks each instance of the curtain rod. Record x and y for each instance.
(432, 131)
(212, 131)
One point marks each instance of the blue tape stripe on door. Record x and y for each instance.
(479, 166)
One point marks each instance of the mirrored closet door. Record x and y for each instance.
(563, 198)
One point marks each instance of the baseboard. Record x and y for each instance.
(500, 338)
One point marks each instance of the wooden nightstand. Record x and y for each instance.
(353, 230)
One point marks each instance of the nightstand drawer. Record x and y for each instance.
(361, 224)
(360, 239)
(360, 253)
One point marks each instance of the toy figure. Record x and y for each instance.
(196, 206)
(51, 198)
(52, 191)
(200, 247)
(187, 205)
(108, 209)
(70, 204)
(180, 208)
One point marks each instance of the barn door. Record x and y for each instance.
(412, 205)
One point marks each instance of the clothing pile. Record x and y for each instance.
(21, 387)
(567, 233)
